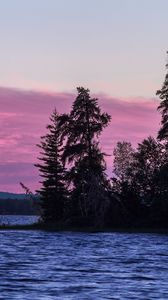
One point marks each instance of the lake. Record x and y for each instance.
(18, 220)
(41, 265)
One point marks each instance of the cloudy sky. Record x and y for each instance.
(116, 48)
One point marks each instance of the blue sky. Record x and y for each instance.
(113, 46)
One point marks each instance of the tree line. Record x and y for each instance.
(75, 189)
(15, 206)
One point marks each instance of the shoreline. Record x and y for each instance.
(89, 229)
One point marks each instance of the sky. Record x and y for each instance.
(116, 48)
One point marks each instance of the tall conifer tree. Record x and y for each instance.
(53, 192)
(86, 123)
(163, 108)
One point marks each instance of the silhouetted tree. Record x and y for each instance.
(122, 181)
(138, 182)
(82, 128)
(85, 125)
(147, 163)
(123, 157)
(163, 108)
(53, 192)
(162, 202)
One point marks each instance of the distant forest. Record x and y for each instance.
(18, 204)
(75, 189)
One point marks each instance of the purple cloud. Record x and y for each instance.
(25, 114)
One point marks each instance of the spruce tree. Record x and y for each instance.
(83, 128)
(85, 125)
(163, 136)
(53, 193)
(163, 108)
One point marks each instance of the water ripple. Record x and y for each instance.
(42, 265)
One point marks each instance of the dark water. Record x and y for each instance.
(17, 219)
(47, 265)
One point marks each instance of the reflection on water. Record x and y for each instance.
(18, 220)
(47, 265)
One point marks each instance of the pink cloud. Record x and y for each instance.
(24, 115)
